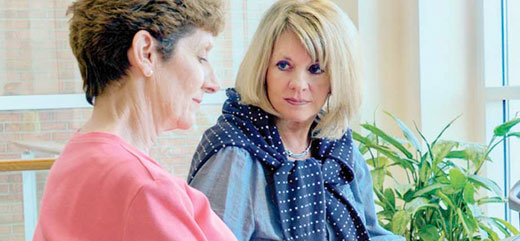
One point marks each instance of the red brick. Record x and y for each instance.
(15, 187)
(16, 207)
(17, 34)
(15, 177)
(13, 148)
(13, 76)
(5, 208)
(20, 44)
(18, 228)
(10, 116)
(36, 136)
(16, 4)
(9, 156)
(64, 115)
(26, 76)
(5, 137)
(5, 229)
(62, 136)
(60, 126)
(19, 127)
(37, 13)
(29, 116)
(4, 189)
(10, 197)
(16, 24)
(74, 125)
(4, 177)
(46, 115)
(16, 237)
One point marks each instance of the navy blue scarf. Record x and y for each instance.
(307, 193)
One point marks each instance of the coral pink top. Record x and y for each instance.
(102, 188)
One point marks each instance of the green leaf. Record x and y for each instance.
(444, 129)
(462, 220)
(429, 153)
(475, 210)
(416, 204)
(485, 183)
(378, 161)
(503, 129)
(400, 222)
(429, 233)
(424, 172)
(457, 154)
(474, 151)
(486, 200)
(401, 189)
(441, 150)
(408, 134)
(510, 227)
(387, 138)
(469, 193)
(390, 196)
(378, 177)
(489, 231)
(404, 162)
(356, 136)
(495, 222)
(429, 189)
(386, 214)
(457, 179)
(445, 199)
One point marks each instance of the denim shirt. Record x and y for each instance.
(238, 191)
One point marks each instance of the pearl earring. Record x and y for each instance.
(149, 73)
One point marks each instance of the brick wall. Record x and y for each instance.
(35, 58)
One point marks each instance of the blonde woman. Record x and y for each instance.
(281, 155)
(145, 70)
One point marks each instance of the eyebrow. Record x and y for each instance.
(287, 58)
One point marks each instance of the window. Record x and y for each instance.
(501, 31)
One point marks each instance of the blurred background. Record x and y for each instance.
(426, 62)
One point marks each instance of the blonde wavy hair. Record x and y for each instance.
(329, 36)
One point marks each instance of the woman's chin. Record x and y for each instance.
(185, 123)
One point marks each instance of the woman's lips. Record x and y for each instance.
(294, 101)
(197, 100)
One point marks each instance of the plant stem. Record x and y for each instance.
(481, 162)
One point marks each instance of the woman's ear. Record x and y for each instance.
(141, 54)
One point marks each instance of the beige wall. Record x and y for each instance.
(421, 64)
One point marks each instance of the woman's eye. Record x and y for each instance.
(283, 65)
(202, 59)
(316, 69)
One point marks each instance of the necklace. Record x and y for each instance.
(298, 155)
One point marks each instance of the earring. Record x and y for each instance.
(149, 73)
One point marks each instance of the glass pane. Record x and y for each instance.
(513, 32)
(514, 155)
(12, 202)
(492, 43)
(494, 170)
(35, 57)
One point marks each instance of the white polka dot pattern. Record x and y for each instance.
(306, 192)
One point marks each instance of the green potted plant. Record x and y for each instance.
(441, 198)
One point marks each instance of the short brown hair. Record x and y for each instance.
(101, 32)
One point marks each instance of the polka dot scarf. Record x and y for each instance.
(307, 193)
